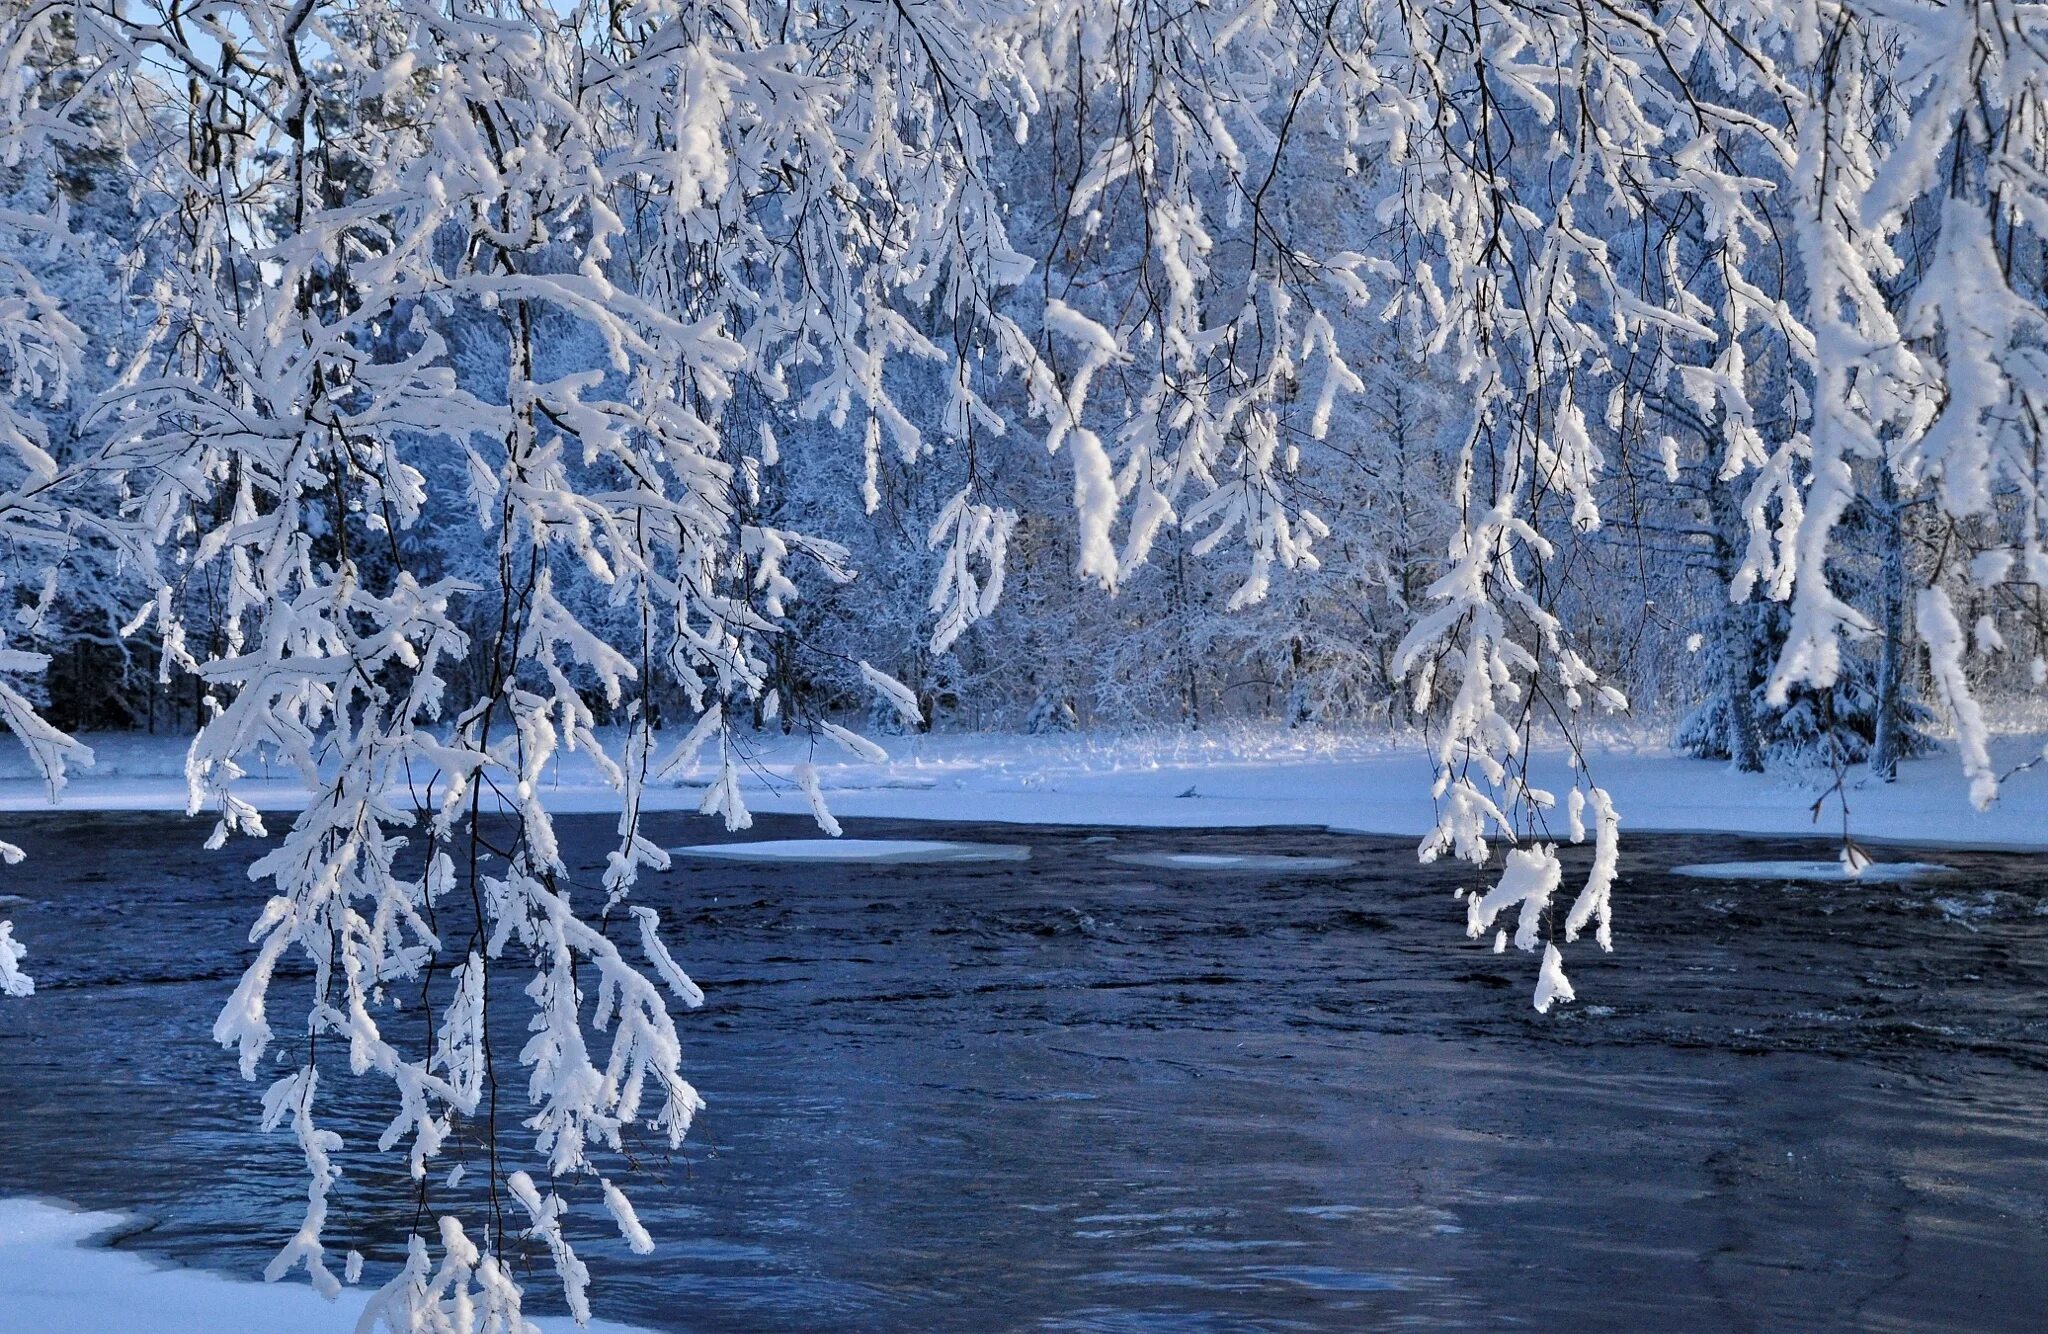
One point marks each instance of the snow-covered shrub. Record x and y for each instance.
(1815, 728)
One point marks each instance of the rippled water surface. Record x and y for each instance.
(1077, 1092)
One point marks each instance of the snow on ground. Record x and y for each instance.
(1355, 782)
(54, 1281)
(895, 850)
(1833, 872)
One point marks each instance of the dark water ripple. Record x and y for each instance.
(1075, 1094)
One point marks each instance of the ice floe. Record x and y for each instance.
(53, 1280)
(1228, 861)
(1875, 872)
(896, 850)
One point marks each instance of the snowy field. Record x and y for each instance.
(1361, 783)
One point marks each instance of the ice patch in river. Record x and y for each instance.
(1875, 872)
(53, 1280)
(1228, 861)
(896, 850)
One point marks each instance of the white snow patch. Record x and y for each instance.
(1827, 871)
(1228, 861)
(856, 850)
(53, 1281)
(776, 780)
(1365, 782)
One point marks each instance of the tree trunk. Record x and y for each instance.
(1734, 648)
(1745, 750)
(1191, 703)
(1884, 746)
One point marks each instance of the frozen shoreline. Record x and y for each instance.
(56, 1278)
(1350, 783)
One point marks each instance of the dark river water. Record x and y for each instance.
(1072, 1093)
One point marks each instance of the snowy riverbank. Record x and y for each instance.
(54, 1279)
(1351, 782)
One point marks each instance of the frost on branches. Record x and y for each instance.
(465, 350)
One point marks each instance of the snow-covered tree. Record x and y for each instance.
(498, 370)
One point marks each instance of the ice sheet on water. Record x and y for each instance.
(1830, 871)
(897, 850)
(54, 1280)
(1228, 861)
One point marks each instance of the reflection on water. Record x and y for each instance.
(1085, 1094)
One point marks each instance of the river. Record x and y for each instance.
(1077, 1093)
